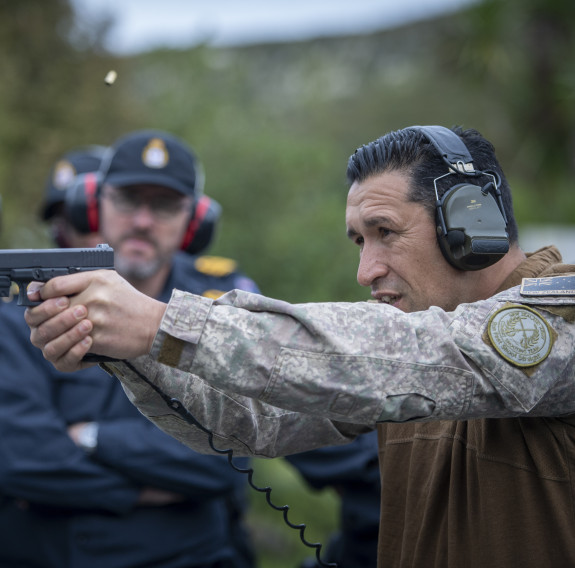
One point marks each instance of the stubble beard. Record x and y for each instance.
(137, 271)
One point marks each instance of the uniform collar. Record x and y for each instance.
(543, 262)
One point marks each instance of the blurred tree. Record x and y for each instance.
(52, 98)
(521, 54)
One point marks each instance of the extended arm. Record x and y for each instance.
(333, 369)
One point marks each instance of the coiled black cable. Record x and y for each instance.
(176, 405)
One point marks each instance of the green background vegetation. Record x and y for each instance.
(274, 126)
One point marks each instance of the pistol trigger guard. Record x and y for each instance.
(23, 299)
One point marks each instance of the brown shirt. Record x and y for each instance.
(485, 493)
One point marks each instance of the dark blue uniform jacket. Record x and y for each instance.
(61, 508)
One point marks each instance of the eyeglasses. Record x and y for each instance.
(162, 207)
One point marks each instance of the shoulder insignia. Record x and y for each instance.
(520, 335)
(213, 294)
(552, 286)
(215, 265)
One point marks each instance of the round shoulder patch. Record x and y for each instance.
(520, 335)
(215, 265)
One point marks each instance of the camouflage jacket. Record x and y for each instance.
(270, 378)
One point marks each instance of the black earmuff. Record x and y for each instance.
(82, 206)
(470, 219)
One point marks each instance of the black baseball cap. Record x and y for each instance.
(153, 157)
(64, 172)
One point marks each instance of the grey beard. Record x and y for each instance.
(136, 270)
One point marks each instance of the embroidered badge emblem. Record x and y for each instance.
(155, 154)
(520, 335)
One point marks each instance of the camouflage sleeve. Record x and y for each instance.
(246, 426)
(343, 367)
(365, 362)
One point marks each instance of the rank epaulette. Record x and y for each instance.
(215, 265)
(212, 294)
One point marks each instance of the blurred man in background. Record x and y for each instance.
(85, 160)
(63, 494)
(86, 480)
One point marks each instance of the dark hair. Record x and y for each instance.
(409, 151)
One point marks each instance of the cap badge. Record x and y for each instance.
(64, 174)
(520, 335)
(155, 154)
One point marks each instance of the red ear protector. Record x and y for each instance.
(83, 212)
(202, 225)
(81, 204)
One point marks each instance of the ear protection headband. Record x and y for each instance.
(82, 207)
(470, 219)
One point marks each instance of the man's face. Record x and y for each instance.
(399, 256)
(145, 226)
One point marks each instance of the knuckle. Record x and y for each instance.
(38, 337)
(34, 339)
(55, 286)
(49, 351)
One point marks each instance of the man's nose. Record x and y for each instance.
(371, 266)
(143, 215)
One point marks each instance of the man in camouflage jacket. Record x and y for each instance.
(465, 364)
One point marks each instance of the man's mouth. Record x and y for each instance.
(387, 299)
(138, 242)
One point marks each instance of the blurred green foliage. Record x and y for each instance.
(274, 126)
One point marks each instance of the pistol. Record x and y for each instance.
(23, 266)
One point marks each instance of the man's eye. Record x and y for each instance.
(385, 232)
(359, 241)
